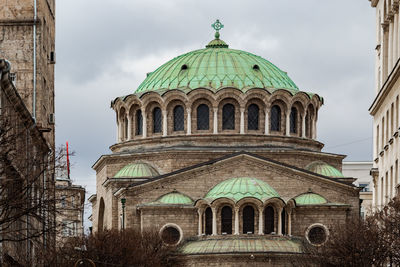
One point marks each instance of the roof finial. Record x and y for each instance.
(217, 26)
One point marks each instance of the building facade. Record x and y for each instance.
(70, 210)
(27, 196)
(361, 170)
(217, 150)
(385, 107)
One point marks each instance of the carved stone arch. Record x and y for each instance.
(150, 119)
(256, 93)
(282, 118)
(310, 118)
(219, 205)
(171, 116)
(194, 120)
(230, 93)
(147, 98)
(282, 95)
(134, 107)
(301, 97)
(201, 93)
(296, 118)
(132, 100)
(242, 204)
(173, 95)
(222, 105)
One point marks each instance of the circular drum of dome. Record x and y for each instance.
(317, 234)
(171, 234)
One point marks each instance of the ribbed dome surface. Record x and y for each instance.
(238, 188)
(174, 198)
(215, 67)
(310, 199)
(325, 169)
(136, 170)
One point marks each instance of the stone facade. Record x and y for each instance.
(226, 175)
(385, 107)
(70, 208)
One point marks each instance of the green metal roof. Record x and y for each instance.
(136, 170)
(241, 245)
(310, 199)
(238, 188)
(215, 67)
(325, 169)
(174, 198)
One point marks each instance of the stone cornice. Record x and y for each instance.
(374, 2)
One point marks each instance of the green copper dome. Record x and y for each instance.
(136, 170)
(238, 188)
(310, 198)
(325, 169)
(215, 67)
(174, 198)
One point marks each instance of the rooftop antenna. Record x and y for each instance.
(68, 163)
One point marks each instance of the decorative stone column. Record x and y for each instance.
(129, 137)
(260, 220)
(242, 121)
(303, 126)
(216, 120)
(165, 123)
(289, 214)
(279, 221)
(314, 130)
(117, 134)
(189, 122)
(214, 220)
(144, 120)
(266, 121)
(200, 212)
(236, 220)
(288, 123)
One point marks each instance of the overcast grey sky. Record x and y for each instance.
(105, 48)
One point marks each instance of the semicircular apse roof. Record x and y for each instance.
(325, 169)
(136, 170)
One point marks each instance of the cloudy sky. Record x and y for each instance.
(105, 48)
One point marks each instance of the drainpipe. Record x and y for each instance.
(123, 201)
(34, 60)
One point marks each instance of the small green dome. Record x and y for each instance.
(215, 67)
(136, 170)
(310, 198)
(238, 188)
(325, 169)
(174, 198)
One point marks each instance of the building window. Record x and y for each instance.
(63, 201)
(203, 114)
(308, 124)
(248, 220)
(253, 117)
(365, 187)
(228, 117)
(126, 128)
(208, 221)
(179, 118)
(226, 220)
(283, 216)
(293, 120)
(157, 122)
(275, 118)
(170, 235)
(268, 220)
(317, 234)
(139, 122)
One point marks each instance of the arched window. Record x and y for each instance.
(308, 124)
(275, 118)
(203, 114)
(126, 128)
(228, 117)
(248, 220)
(253, 117)
(139, 122)
(226, 220)
(283, 216)
(157, 121)
(208, 221)
(268, 220)
(100, 224)
(293, 120)
(179, 118)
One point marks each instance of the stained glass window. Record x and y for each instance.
(275, 118)
(253, 117)
(157, 120)
(228, 117)
(203, 121)
(179, 118)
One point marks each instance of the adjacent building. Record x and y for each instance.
(385, 107)
(217, 150)
(70, 210)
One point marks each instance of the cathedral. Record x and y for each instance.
(217, 149)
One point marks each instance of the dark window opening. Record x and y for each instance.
(308, 125)
(317, 235)
(126, 128)
(293, 120)
(157, 120)
(179, 118)
(256, 67)
(228, 117)
(283, 216)
(269, 220)
(203, 121)
(248, 220)
(226, 220)
(139, 122)
(253, 117)
(184, 67)
(208, 221)
(275, 118)
(170, 235)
